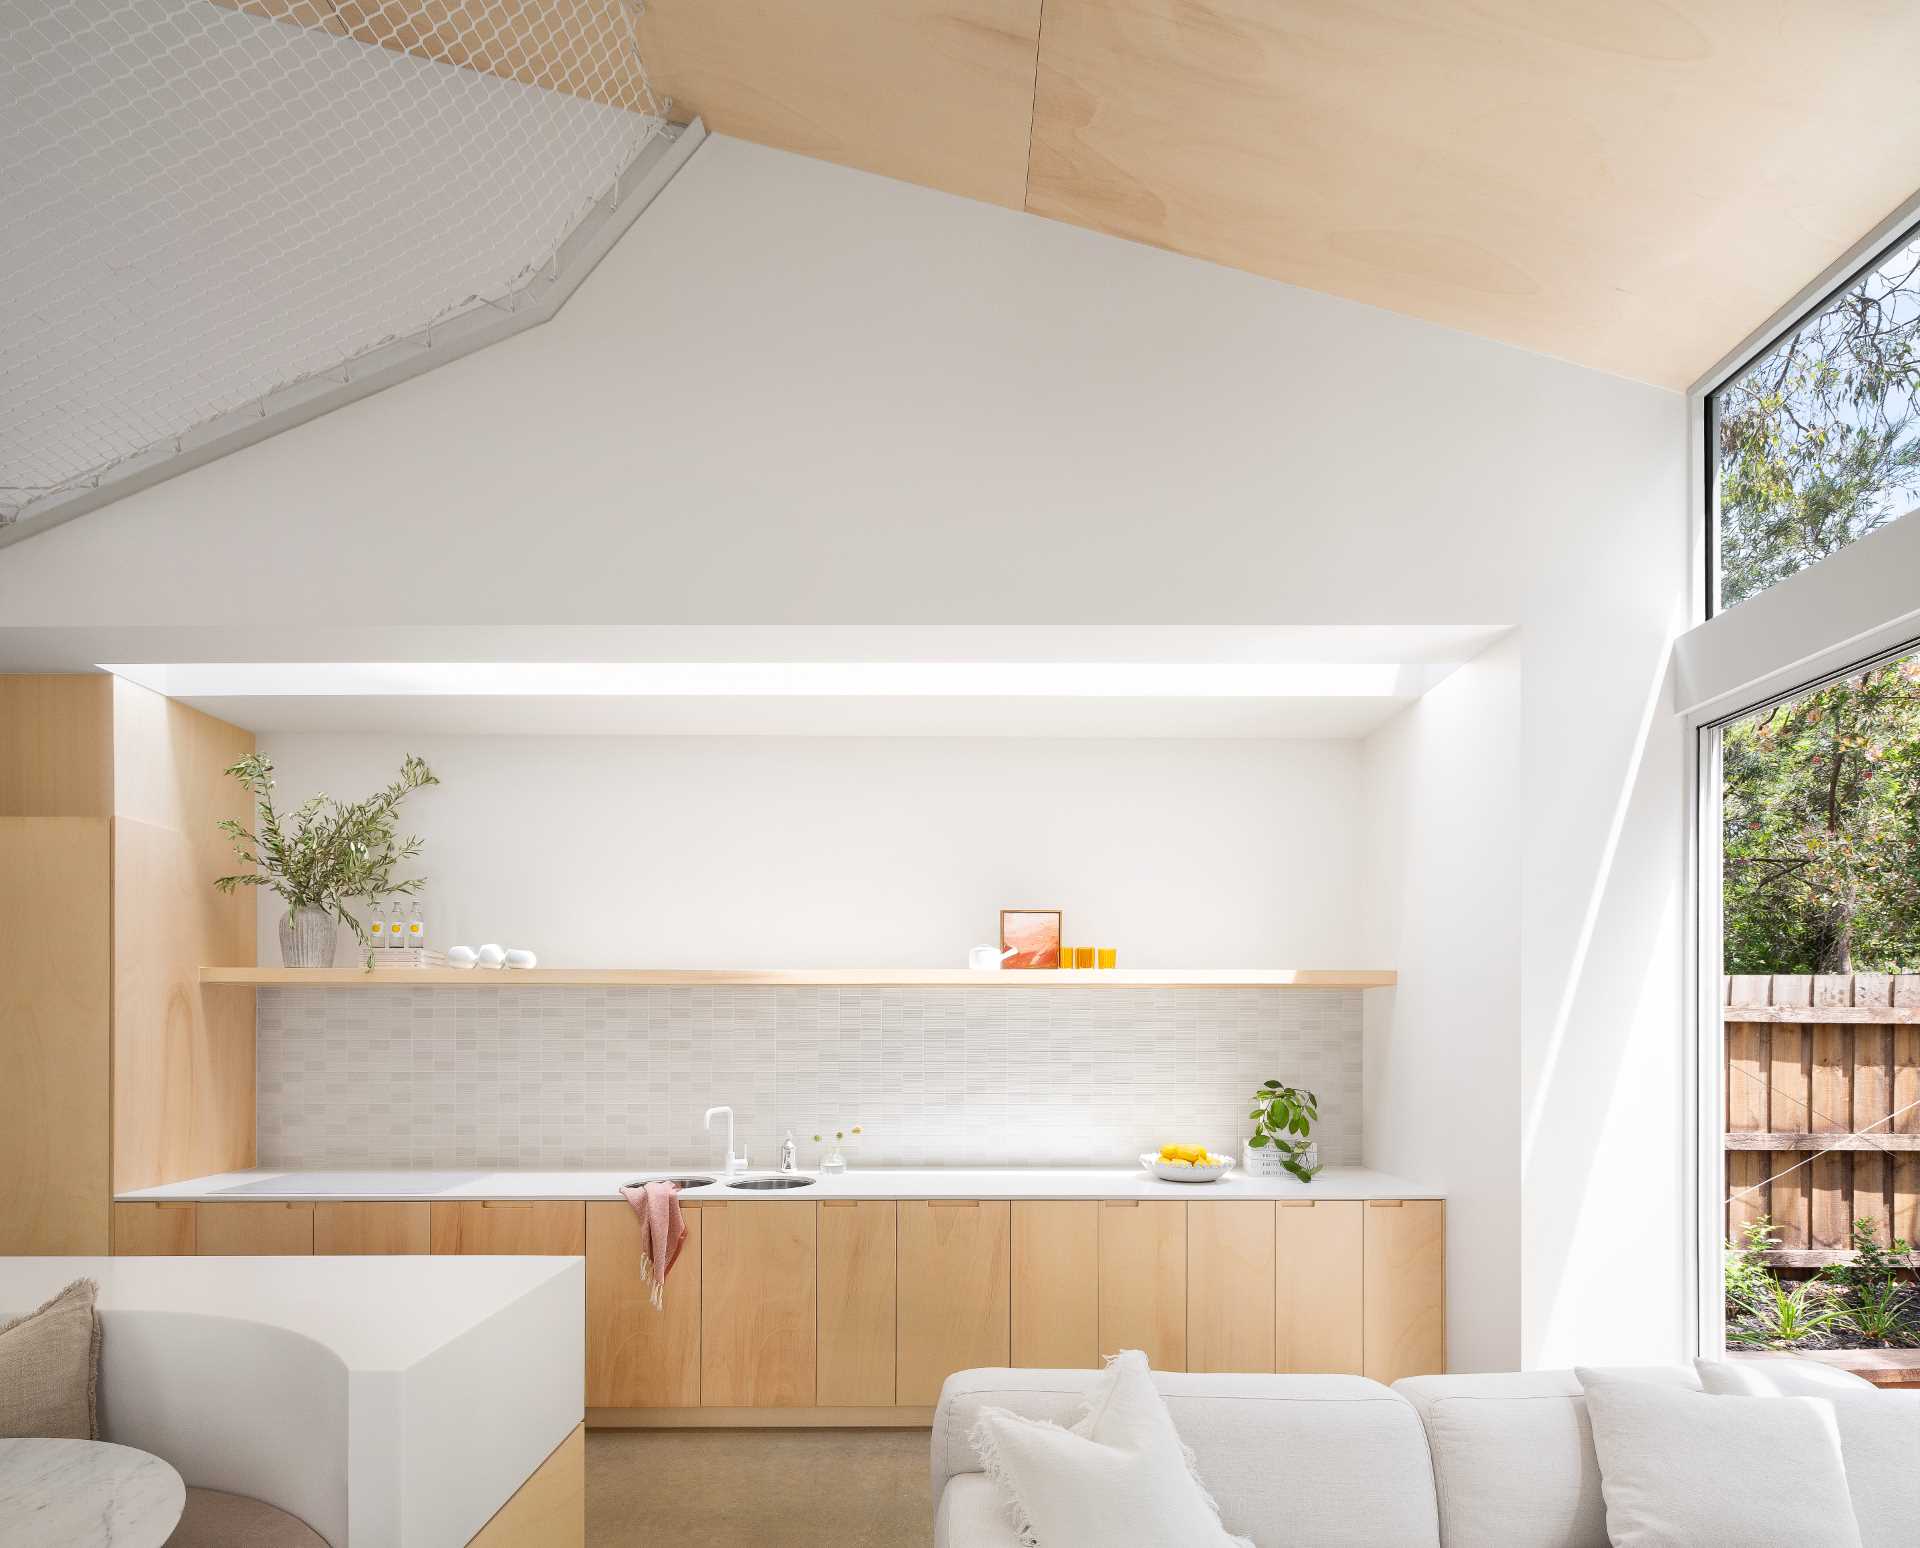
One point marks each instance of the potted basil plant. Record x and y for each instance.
(321, 854)
(1282, 1141)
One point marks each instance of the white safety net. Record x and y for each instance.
(202, 201)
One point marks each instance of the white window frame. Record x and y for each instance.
(1851, 607)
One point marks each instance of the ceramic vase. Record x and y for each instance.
(307, 938)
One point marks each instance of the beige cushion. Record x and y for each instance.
(216, 1520)
(49, 1360)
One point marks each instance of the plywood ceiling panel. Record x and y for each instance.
(1631, 184)
(1634, 184)
(937, 92)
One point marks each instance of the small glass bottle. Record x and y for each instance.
(397, 926)
(416, 929)
(376, 926)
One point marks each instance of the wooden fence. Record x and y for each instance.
(1823, 1108)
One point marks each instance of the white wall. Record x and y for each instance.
(1441, 1074)
(795, 393)
(856, 852)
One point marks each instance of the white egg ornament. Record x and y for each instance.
(461, 956)
(491, 956)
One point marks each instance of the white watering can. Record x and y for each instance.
(983, 958)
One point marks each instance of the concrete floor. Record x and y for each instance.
(758, 1488)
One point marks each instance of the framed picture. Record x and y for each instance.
(1032, 935)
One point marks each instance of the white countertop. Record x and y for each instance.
(1336, 1182)
(424, 1303)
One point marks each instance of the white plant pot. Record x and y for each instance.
(1265, 1161)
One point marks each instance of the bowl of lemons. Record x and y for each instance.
(1188, 1164)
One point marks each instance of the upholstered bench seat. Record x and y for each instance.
(216, 1520)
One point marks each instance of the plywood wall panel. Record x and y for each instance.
(56, 745)
(183, 1078)
(55, 942)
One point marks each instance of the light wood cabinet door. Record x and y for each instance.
(1056, 1284)
(153, 1230)
(511, 1227)
(372, 1230)
(638, 1357)
(1405, 1288)
(954, 1292)
(757, 1268)
(1230, 1286)
(1143, 1280)
(1317, 1316)
(858, 1303)
(253, 1230)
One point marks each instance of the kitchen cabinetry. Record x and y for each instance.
(854, 1307)
(1056, 1284)
(638, 1357)
(757, 1267)
(154, 1230)
(254, 1230)
(858, 1302)
(372, 1230)
(1404, 1288)
(1230, 1286)
(1317, 1315)
(954, 1257)
(1143, 1280)
(510, 1227)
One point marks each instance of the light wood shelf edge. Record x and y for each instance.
(816, 978)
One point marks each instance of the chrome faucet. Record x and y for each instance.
(789, 1154)
(733, 1163)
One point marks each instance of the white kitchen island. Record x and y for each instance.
(384, 1400)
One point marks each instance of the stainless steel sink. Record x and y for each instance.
(684, 1182)
(767, 1184)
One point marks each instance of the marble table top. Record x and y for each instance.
(76, 1492)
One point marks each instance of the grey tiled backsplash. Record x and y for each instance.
(590, 1078)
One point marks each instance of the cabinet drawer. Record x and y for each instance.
(253, 1230)
(372, 1230)
(153, 1230)
(511, 1227)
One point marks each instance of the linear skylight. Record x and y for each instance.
(732, 679)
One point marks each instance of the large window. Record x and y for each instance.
(1817, 442)
(1820, 913)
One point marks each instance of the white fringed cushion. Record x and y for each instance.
(1685, 1469)
(1118, 1479)
(1879, 1437)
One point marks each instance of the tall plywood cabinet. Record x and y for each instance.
(122, 1071)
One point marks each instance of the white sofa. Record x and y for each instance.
(1499, 1461)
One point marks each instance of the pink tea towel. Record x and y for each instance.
(663, 1232)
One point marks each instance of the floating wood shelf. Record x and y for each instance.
(804, 978)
